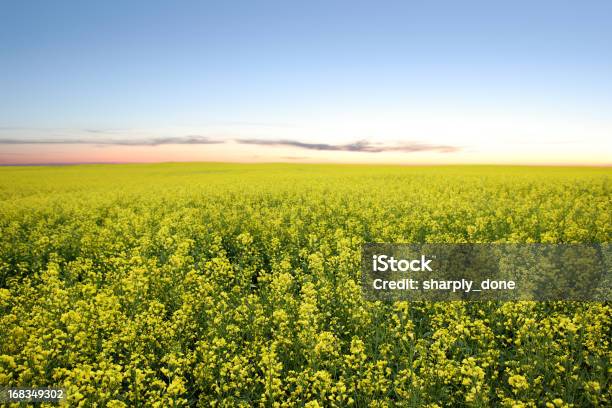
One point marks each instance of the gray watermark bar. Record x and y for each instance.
(444, 272)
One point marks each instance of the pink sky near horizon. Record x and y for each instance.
(24, 154)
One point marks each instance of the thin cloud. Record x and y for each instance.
(154, 141)
(359, 146)
(101, 131)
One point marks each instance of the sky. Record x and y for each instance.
(407, 82)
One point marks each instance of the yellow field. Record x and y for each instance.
(236, 284)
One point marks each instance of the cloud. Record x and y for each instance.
(359, 146)
(153, 141)
(364, 146)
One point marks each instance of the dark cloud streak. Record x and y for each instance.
(363, 146)
(155, 141)
(359, 146)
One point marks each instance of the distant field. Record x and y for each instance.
(238, 285)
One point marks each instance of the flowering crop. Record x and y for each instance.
(238, 285)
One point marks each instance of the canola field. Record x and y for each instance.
(226, 285)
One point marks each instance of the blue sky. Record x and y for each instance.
(503, 81)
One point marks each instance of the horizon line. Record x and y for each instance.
(111, 163)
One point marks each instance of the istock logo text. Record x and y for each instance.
(384, 263)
